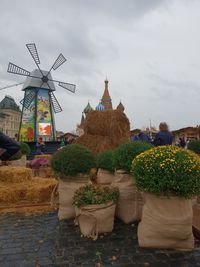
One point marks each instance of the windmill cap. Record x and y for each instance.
(41, 82)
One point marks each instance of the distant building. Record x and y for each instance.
(104, 104)
(188, 133)
(10, 115)
(69, 137)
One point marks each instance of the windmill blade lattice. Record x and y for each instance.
(68, 86)
(56, 106)
(26, 102)
(59, 61)
(12, 68)
(33, 51)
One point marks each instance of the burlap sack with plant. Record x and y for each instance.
(66, 191)
(196, 220)
(19, 162)
(130, 202)
(95, 219)
(166, 223)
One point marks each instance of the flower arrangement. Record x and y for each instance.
(92, 195)
(125, 153)
(72, 160)
(167, 171)
(39, 162)
(105, 161)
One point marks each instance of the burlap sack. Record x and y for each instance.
(19, 162)
(196, 220)
(66, 191)
(166, 223)
(130, 201)
(95, 219)
(104, 177)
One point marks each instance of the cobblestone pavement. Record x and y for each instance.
(41, 240)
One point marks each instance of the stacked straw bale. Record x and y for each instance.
(34, 191)
(11, 174)
(18, 186)
(104, 130)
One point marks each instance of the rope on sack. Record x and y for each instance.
(53, 197)
(88, 212)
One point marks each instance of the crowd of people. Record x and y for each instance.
(9, 146)
(163, 137)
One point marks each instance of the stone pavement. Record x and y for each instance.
(41, 240)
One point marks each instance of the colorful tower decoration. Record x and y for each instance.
(37, 119)
(106, 100)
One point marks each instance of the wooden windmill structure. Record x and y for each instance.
(39, 103)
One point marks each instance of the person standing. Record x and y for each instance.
(40, 146)
(164, 136)
(8, 147)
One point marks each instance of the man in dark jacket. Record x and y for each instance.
(8, 147)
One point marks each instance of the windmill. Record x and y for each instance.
(39, 103)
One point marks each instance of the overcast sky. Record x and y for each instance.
(148, 50)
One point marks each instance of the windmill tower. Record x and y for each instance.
(39, 103)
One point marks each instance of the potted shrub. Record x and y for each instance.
(170, 177)
(105, 174)
(71, 164)
(194, 146)
(130, 202)
(95, 209)
(19, 159)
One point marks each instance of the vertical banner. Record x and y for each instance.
(44, 119)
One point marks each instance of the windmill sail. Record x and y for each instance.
(12, 68)
(59, 61)
(33, 51)
(68, 86)
(56, 106)
(26, 102)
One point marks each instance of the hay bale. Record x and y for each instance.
(45, 172)
(11, 174)
(46, 156)
(40, 190)
(37, 190)
(104, 130)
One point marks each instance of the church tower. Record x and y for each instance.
(106, 100)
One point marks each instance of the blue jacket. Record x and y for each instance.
(163, 138)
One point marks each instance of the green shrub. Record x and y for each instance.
(91, 195)
(105, 161)
(168, 171)
(194, 146)
(25, 149)
(125, 153)
(72, 160)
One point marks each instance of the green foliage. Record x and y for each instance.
(168, 171)
(72, 160)
(125, 153)
(105, 161)
(25, 149)
(91, 195)
(194, 146)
